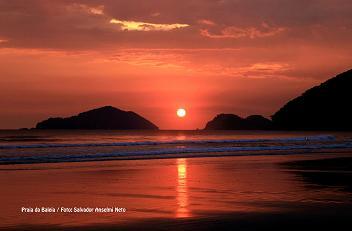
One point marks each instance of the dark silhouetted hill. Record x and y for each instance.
(324, 107)
(234, 122)
(101, 118)
(258, 122)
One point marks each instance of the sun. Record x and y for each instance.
(181, 112)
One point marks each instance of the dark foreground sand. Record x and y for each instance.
(323, 218)
(231, 193)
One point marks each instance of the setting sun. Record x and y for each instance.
(181, 112)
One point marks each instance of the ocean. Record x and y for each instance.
(174, 180)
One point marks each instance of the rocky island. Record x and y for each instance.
(107, 118)
(234, 122)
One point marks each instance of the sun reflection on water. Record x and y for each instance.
(182, 191)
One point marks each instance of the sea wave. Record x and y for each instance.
(173, 142)
(176, 152)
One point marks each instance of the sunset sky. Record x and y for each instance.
(59, 58)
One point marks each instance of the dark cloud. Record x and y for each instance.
(80, 24)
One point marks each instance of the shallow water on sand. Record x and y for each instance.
(160, 188)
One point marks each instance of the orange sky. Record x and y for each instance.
(58, 58)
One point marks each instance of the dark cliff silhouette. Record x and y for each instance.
(324, 107)
(101, 118)
(234, 122)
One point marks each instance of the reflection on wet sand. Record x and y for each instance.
(324, 173)
(165, 189)
(181, 189)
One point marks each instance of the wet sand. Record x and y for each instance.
(242, 193)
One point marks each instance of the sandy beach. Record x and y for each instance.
(181, 194)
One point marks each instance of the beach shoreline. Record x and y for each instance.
(254, 192)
